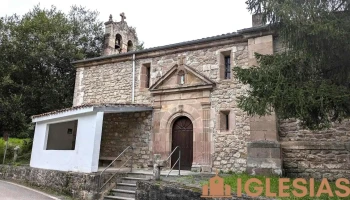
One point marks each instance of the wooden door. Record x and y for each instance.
(182, 136)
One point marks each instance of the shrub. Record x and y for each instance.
(24, 151)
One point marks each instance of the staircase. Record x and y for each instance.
(126, 189)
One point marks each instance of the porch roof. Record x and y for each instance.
(86, 108)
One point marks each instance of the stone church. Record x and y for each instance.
(180, 95)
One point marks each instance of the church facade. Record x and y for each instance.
(190, 87)
(180, 95)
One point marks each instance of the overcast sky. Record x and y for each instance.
(157, 22)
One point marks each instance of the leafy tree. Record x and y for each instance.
(310, 79)
(36, 51)
(140, 46)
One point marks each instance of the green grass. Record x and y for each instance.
(23, 154)
(232, 181)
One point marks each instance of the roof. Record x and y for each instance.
(108, 107)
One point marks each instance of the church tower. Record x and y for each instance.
(119, 37)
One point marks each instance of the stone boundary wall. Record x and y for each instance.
(77, 185)
(316, 154)
(151, 190)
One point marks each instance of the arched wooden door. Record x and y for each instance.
(182, 136)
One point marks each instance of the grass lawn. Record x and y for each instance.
(232, 181)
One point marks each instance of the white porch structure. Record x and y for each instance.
(81, 152)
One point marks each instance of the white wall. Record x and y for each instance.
(86, 154)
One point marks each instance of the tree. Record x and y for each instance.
(36, 74)
(310, 80)
(140, 46)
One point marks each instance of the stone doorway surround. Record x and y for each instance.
(173, 100)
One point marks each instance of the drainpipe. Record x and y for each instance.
(133, 79)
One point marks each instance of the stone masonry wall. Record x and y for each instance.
(124, 129)
(318, 154)
(111, 83)
(230, 146)
(77, 185)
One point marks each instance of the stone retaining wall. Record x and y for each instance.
(151, 190)
(317, 154)
(77, 185)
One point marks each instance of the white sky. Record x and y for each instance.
(157, 22)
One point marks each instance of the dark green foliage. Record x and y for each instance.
(36, 74)
(310, 80)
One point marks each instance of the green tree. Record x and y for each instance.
(36, 51)
(310, 80)
(140, 46)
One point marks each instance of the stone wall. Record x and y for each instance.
(230, 146)
(109, 83)
(124, 129)
(150, 190)
(77, 185)
(318, 154)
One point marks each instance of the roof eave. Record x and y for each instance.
(193, 42)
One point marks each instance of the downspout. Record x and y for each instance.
(133, 79)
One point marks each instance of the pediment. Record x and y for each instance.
(170, 81)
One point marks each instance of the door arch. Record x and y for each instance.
(182, 136)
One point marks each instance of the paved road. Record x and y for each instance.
(10, 191)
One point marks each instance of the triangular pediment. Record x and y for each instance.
(171, 81)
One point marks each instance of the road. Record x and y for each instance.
(11, 191)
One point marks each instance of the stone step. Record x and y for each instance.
(118, 198)
(126, 186)
(123, 193)
(140, 175)
(132, 180)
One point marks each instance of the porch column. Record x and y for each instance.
(89, 142)
(97, 141)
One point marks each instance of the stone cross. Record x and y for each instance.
(110, 17)
(123, 16)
